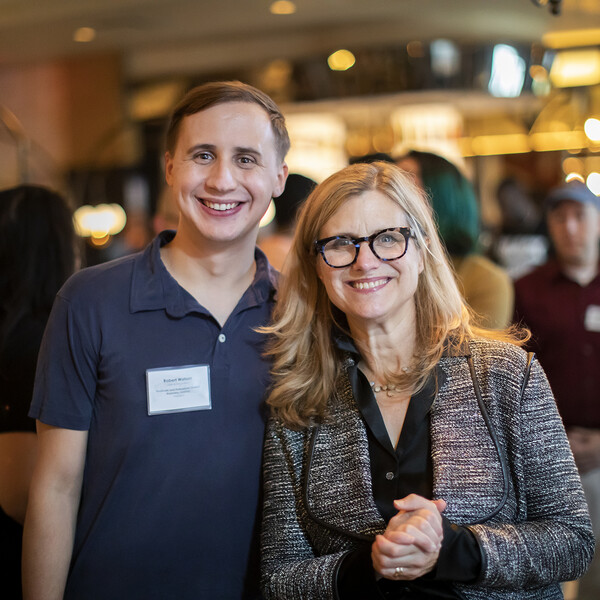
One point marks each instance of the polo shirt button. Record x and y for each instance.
(389, 476)
(222, 337)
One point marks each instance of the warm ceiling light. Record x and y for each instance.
(574, 177)
(548, 141)
(592, 129)
(593, 182)
(415, 49)
(99, 221)
(489, 145)
(571, 39)
(538, 72)
(341, 60)
(283, 7)
(572, 165)
(84, 34)
(574, 68)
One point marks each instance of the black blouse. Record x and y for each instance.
(395, 473)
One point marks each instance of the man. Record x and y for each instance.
(151, 378)
(560, 303)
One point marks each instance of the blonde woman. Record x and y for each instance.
(409, 454)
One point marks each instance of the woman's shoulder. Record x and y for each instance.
(489, 351)
(278, 429)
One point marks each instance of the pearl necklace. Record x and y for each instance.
(384, 387)
(390, 388)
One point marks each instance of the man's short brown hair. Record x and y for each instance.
(210, 94)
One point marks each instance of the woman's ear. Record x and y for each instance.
(422, 252)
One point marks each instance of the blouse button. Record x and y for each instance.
(222, 337)
(389, 476)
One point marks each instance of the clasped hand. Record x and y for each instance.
(410, 546)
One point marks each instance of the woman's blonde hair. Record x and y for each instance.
(306, 360)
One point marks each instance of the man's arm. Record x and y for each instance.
(52, 511)
(18, 450)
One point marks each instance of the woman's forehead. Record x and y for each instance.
(371, 210)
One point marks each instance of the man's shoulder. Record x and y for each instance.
(98, 280)
(541, 275)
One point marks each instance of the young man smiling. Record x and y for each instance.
(151, 379)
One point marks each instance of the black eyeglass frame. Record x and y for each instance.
(319, 245)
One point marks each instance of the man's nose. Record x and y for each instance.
(220, 176)
(571, 225)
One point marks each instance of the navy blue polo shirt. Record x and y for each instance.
(170, 501)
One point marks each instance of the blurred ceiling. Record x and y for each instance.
(156, 38)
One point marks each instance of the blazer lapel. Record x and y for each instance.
(337, 485)
(467, 472)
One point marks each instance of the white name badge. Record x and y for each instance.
(178, 389)
(592, 318)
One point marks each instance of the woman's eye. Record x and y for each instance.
(340, 243)
(387, 239)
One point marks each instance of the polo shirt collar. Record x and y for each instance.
(557, 274)
(555, 271)
(154, 288)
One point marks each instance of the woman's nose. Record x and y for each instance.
(366, 259)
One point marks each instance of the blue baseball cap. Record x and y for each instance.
(575, 191)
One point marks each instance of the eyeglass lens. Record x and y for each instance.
(386, 245)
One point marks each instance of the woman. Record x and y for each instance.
(409, 454)
(37, 254)
(486, 287)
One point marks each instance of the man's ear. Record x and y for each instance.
(281, 179)
(168, 168)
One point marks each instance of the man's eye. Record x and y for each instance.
(247, 160)
(202, 156)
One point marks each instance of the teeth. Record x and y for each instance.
(220, 206)
(368, 284)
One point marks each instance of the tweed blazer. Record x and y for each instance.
(501, 461)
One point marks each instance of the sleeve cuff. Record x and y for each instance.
(460, 556)
(356, 577)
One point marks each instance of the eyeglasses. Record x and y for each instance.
(388, 244)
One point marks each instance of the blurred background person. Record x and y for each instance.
(37, 254)
(277, 240)
(371, 157)
(167, 213)
(486, 286)
(560, 303)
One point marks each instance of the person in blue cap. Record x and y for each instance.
(560, 303)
